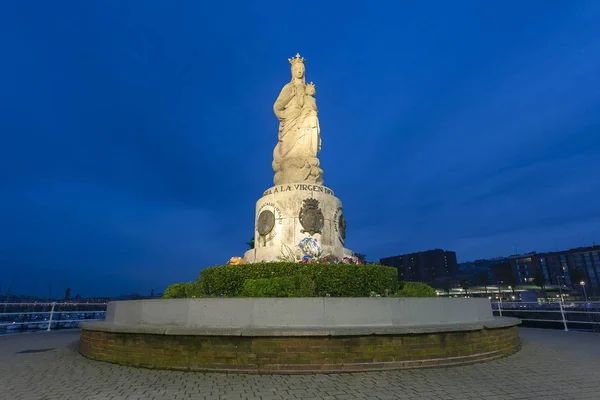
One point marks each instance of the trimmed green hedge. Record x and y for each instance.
(289, 279)
(182, 290)
(335, 280)
(174, 291)
(283, 286)
(415, 289)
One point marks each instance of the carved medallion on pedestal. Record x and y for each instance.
(266, 222)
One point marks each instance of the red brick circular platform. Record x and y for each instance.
(392, 349)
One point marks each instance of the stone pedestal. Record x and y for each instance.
(278, 335)
(288, 213)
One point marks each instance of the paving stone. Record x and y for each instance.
(551, 365)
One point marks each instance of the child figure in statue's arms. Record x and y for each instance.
(310, 122)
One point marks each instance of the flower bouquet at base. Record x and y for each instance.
(309, 251)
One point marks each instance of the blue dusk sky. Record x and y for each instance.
(138, 135)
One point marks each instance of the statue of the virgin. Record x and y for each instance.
(295, 155)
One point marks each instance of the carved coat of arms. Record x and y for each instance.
(311, 217)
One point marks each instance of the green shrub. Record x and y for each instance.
(174, 291)
(304, 287)
(192, 289)
(336, 280)
(415, 289)
(182, 290)
(284, 286)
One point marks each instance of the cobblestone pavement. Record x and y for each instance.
(552, 365)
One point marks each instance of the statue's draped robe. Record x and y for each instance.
(288, 111)
(295, 155)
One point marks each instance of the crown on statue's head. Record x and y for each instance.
(296, 59)
(310, 84)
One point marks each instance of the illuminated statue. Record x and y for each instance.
(299, 140)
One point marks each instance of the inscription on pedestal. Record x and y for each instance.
(298, 186)
(342, 226)
(339, 224)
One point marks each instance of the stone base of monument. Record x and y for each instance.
(299, 335)
(287, 214)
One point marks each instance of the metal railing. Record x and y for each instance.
(574, 315)
(20, 317)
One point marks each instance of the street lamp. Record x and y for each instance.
(582, 283)
(499, 299)
(560, 288)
